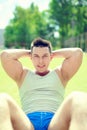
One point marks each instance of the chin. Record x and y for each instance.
(41, 71)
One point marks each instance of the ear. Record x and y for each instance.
(30, 56)
(51, 56)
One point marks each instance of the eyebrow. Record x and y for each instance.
(45, 54)
(35, 54)
(38, 55)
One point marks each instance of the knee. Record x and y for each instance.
(4, 108)
(77, 97)
(76, 102)
(79, 107)
(79, 103)
(5, 99)
(4, 96)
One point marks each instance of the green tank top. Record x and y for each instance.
(41, 93)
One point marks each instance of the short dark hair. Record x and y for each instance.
(39, 42)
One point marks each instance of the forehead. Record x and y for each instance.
(38, 50)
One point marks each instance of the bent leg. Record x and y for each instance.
(61, 119)
(72, 114)
(79, 112)
(17, 118)
(5, 123)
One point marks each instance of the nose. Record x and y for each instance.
(40, 60)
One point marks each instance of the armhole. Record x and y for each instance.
(60, 77)
(23, 78)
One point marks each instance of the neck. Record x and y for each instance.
(43, 73)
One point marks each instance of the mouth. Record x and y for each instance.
(41, 66)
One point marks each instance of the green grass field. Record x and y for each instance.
(77, 83)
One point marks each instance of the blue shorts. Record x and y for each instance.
(40, 120)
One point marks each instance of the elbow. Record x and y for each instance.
(3, 55)
(79, 56)
(79, 53)
(79, 50)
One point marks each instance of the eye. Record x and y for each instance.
(45, 56)
(36, 56)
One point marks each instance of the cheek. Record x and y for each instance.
(34, 61)
(47, 61)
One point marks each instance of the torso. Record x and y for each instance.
(36, 90)
(58, 71)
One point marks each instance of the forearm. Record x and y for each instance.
(16, 53)
(67, 52)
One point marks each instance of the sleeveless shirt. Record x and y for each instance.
(41, 93)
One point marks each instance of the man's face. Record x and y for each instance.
(41, 58)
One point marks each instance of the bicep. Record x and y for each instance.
(12, 67)
(70, 66)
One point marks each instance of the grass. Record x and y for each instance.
(77, 83)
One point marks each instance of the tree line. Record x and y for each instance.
(61, 21)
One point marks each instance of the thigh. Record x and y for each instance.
(5, 122)
(72, 111)
(61, 119)
(79, 112)
(18, 118)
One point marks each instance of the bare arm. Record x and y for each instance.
(72, 61)
(11, 64)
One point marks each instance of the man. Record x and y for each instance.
(42, 90)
